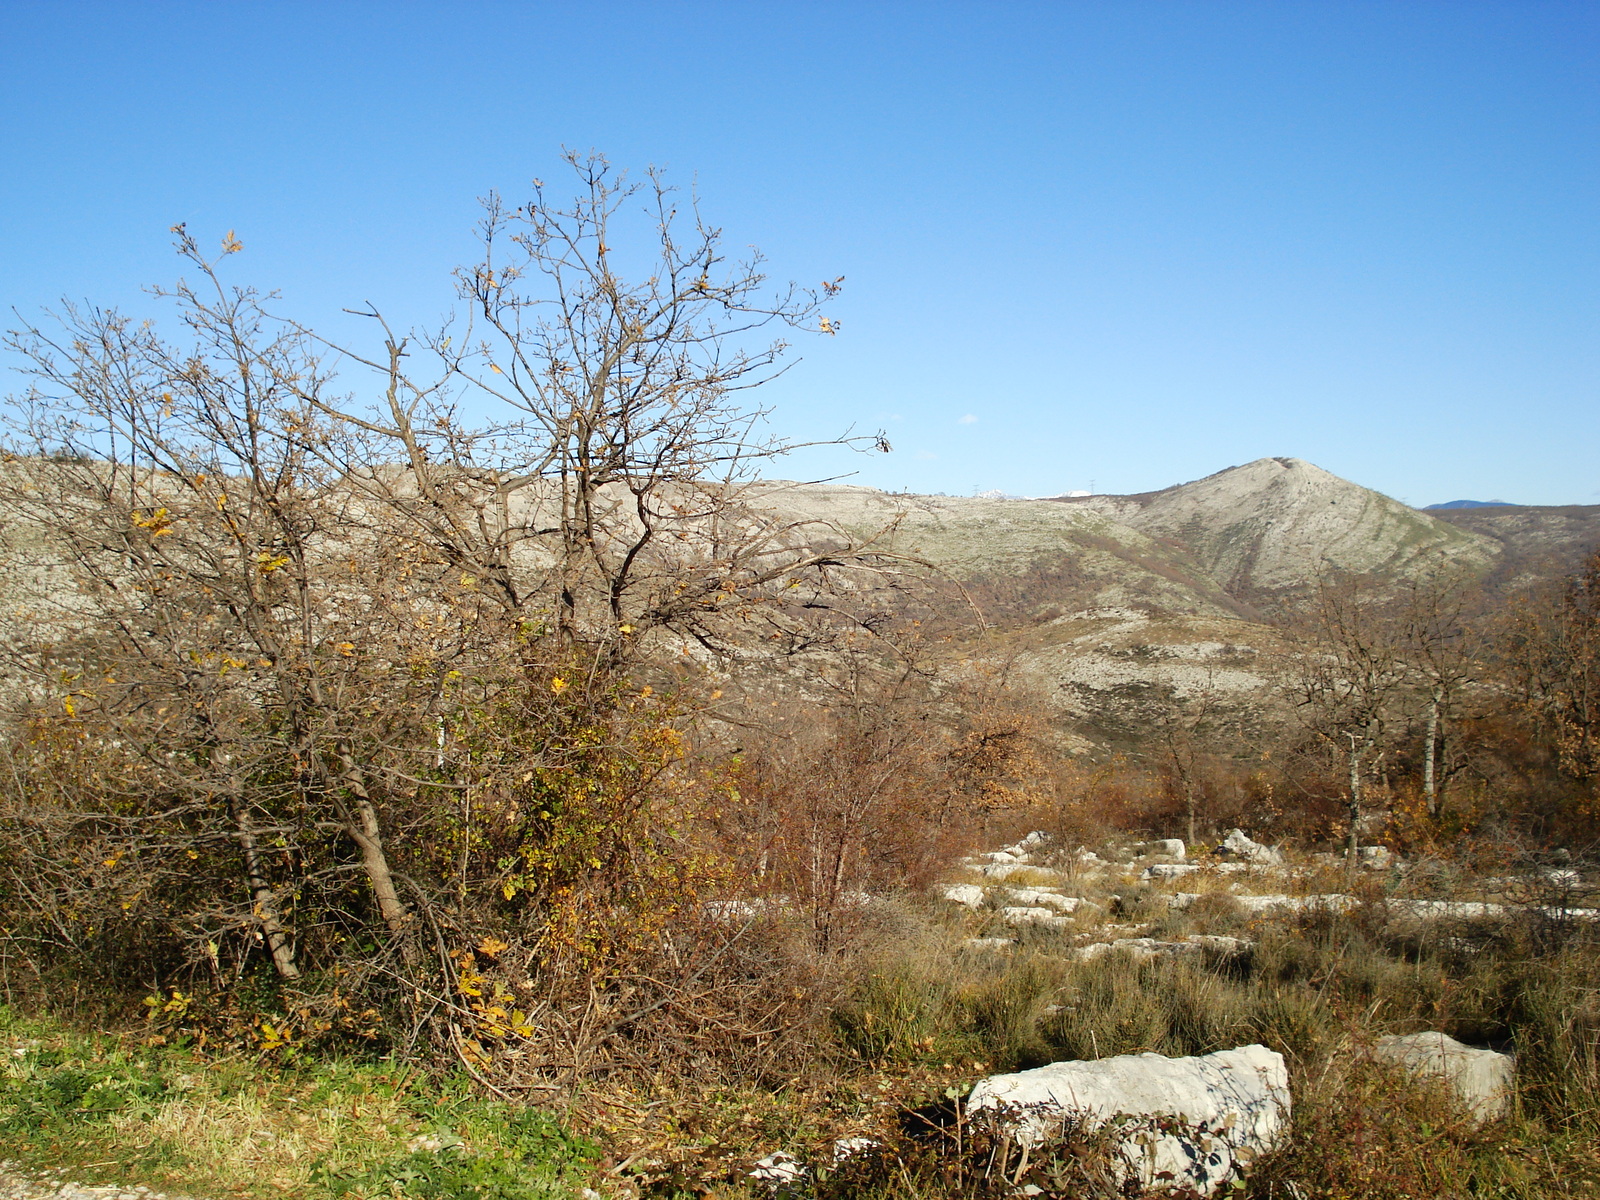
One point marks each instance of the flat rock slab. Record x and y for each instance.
(1040, 897)
(1007, 870)
(1233, 1105)
(1024, 915)
(1484, 1080)
(1143, 947)
(1256, 905)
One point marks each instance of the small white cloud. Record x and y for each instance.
(926, 455)
(969, 419)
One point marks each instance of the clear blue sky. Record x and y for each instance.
(1122, 242)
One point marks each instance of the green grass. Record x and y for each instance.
(106, 1108)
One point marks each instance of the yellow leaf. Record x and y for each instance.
(158, 523)
(231, 244)
(346, 648)
(496, 369)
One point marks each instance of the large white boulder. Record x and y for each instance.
(969, 894)
(1166, 847)
(1239, 845)
(1483, 1079)
(1230, 1107)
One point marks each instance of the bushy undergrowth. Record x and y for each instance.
(927, 1014)
(1319, 990)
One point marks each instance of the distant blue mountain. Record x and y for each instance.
(1472, 504)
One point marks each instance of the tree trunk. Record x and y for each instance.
(1189, 806)
(1355, 797)
(1430, 743)
(366, 832)
(264, 902)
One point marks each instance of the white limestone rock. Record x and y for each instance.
(1168, 870)
(969, 894)
(1045, 898)
(849, 1147)
(1025, 915)
(988, 943)
(1235, 1104)
(1004, 870)
(1483, 1079)
(1135, 947)
(1144, 947)
(779, 1170)
(1261, 905)
(1219, 942)
(1452, 910)
(1238, 845)
(1034, 841)
(1172, 848)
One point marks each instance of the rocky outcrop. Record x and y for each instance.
(1204, 1119)
(1483, 1080)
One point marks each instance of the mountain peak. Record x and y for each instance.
(1276, 522)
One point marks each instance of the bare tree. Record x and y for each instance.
(1191, 726)
(1348, 672)
(1441, 651)
(338, 674)
(1551, 649)
(610, 486)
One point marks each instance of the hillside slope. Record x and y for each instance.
(1272, 525)
(1533, 540)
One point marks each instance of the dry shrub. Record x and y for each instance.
(872, 792)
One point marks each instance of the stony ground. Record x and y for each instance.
(21, 1187)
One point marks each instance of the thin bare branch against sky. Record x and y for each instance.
(1130, 242)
